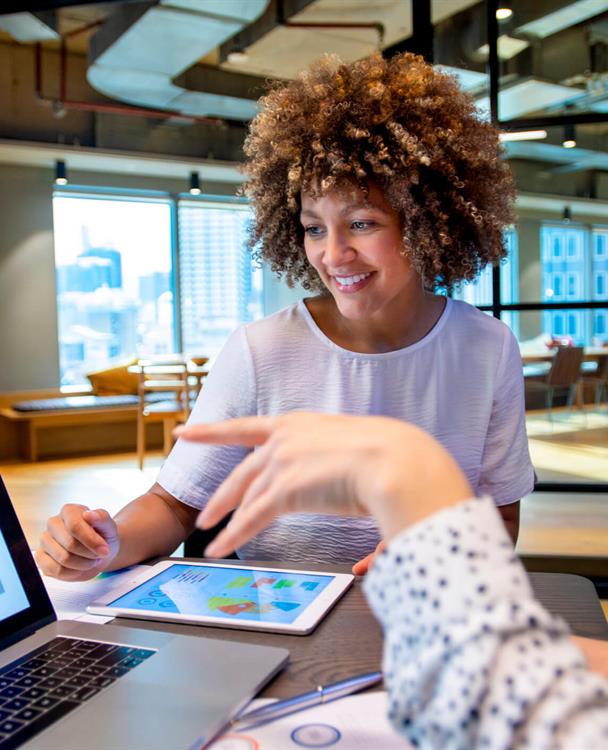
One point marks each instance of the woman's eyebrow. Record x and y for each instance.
(308, 212)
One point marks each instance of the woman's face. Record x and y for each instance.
(355, 244)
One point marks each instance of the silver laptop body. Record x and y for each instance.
(178, 696)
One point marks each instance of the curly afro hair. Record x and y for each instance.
(399, 123)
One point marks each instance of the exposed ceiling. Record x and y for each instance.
(179, 56)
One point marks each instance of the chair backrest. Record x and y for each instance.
(602, 368)
(566, 366)
(170, 378)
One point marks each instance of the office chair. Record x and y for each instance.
(598, 379)
(564, 375)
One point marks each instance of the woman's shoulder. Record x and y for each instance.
(285, 325)
(470, 318)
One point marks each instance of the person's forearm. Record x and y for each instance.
(148, 527)
(471, 658)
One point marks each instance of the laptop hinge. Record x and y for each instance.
(25, 632)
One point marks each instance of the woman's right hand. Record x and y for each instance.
(78, 543)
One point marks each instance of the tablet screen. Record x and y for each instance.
(227, 593)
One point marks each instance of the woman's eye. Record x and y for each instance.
(312, 230)
(361, 225)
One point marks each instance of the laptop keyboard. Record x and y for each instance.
(49, 682)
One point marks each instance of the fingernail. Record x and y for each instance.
(103, 551)
(211, 550)
(178, 431)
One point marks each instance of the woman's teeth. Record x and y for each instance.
(349, 280)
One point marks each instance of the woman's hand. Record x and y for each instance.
(361, 568)
(77, 543)
(319, 463)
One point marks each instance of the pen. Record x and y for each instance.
(323, 694)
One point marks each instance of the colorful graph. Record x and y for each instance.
(263, 582)
(240, 582)
(284, 583)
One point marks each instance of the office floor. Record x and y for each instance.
(570, 447)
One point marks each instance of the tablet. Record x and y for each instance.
(226, 596)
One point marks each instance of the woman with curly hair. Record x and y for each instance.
(373, 185)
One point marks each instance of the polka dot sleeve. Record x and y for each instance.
(471, 659)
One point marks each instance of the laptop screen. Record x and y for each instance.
(12, 593)
(24, 602)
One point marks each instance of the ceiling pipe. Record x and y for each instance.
(100, 107)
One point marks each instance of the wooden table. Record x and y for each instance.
(349, 640)
(590, 354)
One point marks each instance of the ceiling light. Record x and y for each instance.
(569, 137)
(523, 135)
(195, 186)
(61, 175)
(237, 55)
(503, 10)
(567, 215)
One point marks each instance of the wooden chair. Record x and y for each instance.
(598, 379)
(564, 375)
(170, 379)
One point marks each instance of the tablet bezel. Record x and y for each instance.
(302, 625)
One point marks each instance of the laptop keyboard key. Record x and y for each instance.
(93, 671)
(62, 691)
(33, 693)
(49, 683)
(4, 715)
(10, 725)
(116, 671)
(101, 682)
(77, 681)
(16, 704)
(84, 693)
(28, 681)
(46, 702)
(28, 714)
(11, 692)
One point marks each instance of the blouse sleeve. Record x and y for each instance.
(507, 473)
(471, 658)
(192, 471)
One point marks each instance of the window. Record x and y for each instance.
(114, 280)
(479, 291)
(573, 285)
(600, 284)
(600, 244)
(220, 285)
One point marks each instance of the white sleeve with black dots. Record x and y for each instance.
(471, 658)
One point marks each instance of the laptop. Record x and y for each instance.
(68, 684)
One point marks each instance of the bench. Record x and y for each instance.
(72, 411)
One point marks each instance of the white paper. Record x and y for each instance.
(357, 722)
(70, 598)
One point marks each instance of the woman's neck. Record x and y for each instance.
(376, 336)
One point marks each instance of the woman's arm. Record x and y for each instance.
(471, 659)
(510, 517)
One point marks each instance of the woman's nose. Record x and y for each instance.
(337, 250)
